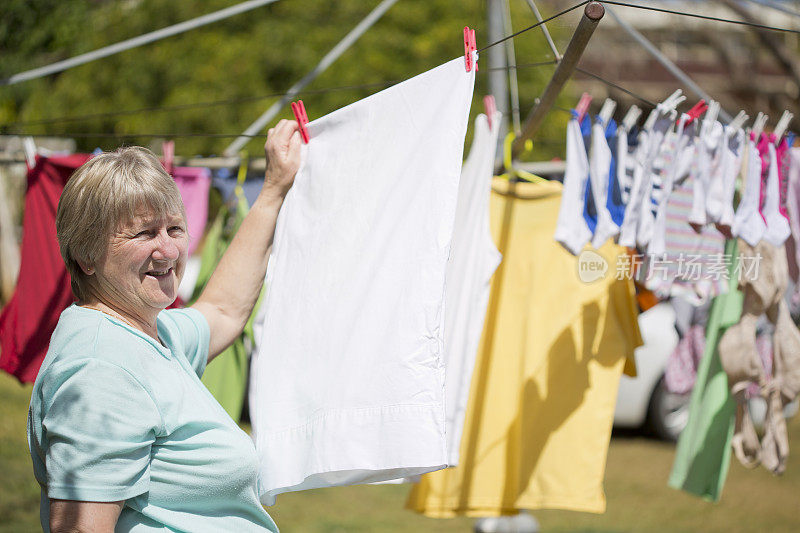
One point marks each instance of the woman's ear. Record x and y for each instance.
(87, 268)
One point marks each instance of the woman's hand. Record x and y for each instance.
(283, 157)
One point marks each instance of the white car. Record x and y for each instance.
(644, 400)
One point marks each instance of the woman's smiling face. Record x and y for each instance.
(143, 264)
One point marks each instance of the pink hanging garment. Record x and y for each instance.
(193, 184)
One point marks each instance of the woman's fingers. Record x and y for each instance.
(279, 137)
(283, 154)
(284, 129)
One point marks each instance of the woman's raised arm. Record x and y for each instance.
(232, 291)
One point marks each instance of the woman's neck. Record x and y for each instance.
(146, 325)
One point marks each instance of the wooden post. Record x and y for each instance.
(592, 14)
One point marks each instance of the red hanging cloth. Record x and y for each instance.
(43, 288)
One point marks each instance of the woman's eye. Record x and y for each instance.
(148, 233)
(175, 229)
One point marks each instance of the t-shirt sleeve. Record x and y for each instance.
(98, 429)
(192, 328)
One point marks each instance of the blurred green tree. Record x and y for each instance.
(259, 53)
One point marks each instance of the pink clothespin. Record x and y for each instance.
(168, 149)
(469, 47)
(299, 111)
(490, 107)
(583, 106)
(696, 111)
(474, 45)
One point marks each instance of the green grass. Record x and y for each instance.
(19, 492)
(636, 474)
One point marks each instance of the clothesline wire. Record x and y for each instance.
(194, 105)
(275, 95)
(229, 101)
(615, 86)
(187, 135)
(228, 135)
(647, 8)
(704, 17)
(387, 83)
(133, 135)
(353, 87)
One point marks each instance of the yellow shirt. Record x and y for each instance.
(545, 384)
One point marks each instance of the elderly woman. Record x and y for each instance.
(123, 435)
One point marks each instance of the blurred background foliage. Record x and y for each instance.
(248, 56)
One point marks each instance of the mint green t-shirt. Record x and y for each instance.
(115, 415)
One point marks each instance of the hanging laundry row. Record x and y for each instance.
(619, 178)
(667, 189)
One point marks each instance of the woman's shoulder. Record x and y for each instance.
(83, 336)
(75, 325)
(87, 349)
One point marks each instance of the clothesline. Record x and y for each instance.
(228, 135)
(237, 100)
(391, 82)
(194, 105)
(704, 17)
(233, 101)
(649, 8)
(616, 86)
(131, 135)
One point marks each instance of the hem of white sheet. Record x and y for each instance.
(393, 442)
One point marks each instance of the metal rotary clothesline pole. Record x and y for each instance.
(592, 14)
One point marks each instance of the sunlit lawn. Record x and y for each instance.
(638, 498)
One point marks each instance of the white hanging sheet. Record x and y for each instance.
(348, 384)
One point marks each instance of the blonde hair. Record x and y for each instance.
(103, 194)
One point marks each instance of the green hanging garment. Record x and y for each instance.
(226, 376)
(704, 447)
